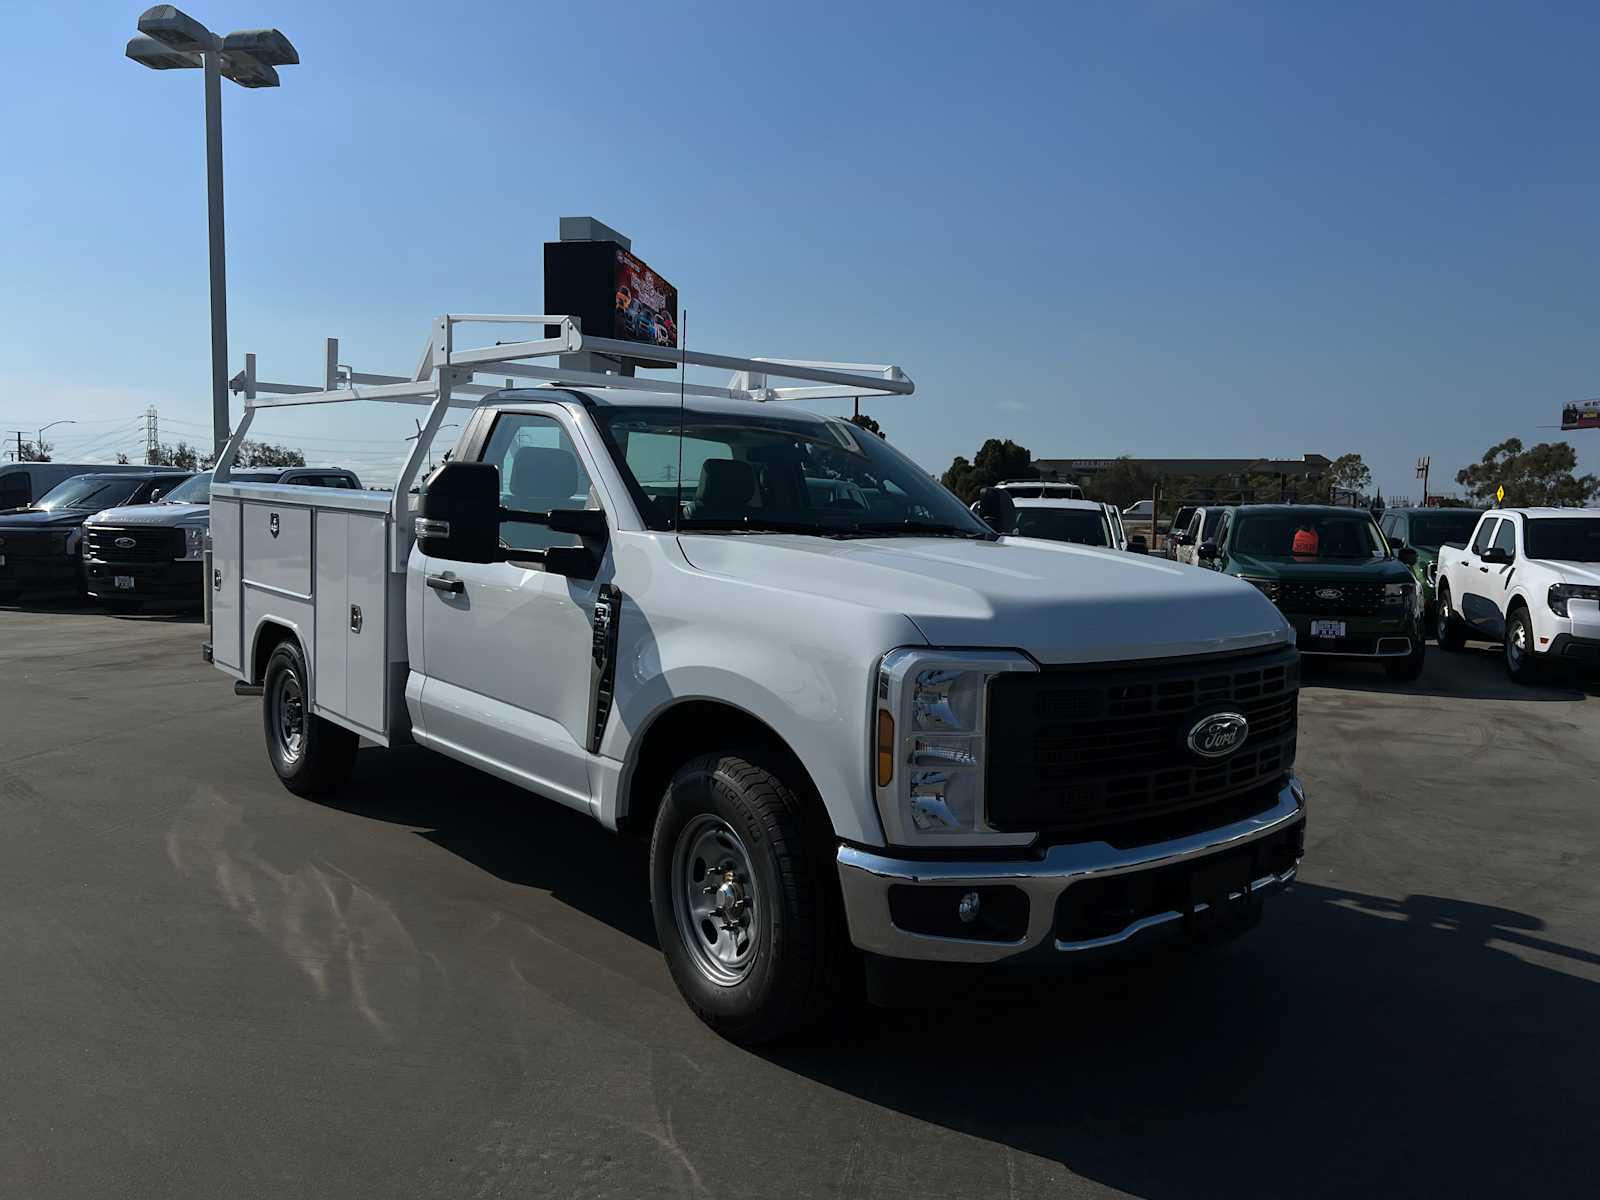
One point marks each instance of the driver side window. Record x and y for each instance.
(539, 470)
(1481, 542)
(1505, 538)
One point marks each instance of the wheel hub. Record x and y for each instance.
(714, 899)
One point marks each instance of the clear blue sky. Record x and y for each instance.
(1149, 228)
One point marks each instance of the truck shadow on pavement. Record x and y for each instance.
(1474, 673)
(1351, 1046)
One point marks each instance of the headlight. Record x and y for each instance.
(1398, 591)
(1268, 586)
(194, 542)
(928, 726)
(1560, 593)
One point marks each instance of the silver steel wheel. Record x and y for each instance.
(714, 900)
(287, 709)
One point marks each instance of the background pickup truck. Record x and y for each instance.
(1529, 578)
(855, 725)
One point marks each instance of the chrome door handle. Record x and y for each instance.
(446, 583)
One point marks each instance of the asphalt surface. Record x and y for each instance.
(440, 986)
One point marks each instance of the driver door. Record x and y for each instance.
(507, 646)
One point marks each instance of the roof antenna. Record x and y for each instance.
(683, 365)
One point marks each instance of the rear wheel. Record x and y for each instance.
(1450, 633)
(1521, 664)
(743, 904)
(310, 754)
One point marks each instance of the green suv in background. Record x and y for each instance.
(1425, 530)
(1333, 576)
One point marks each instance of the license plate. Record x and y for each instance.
(1327, 629)
(123, 582)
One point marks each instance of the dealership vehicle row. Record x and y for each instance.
(784, 676)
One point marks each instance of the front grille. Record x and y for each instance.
(29, 541)
(1103, 748)
(1353, 599)
(150, 544)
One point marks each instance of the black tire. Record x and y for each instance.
(728, 817)
(119, 604)
(1409, 668)
(311, 755)
(1522, 664)
(9, 596)
(1448, 629)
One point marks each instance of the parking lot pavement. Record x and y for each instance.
(439, 986)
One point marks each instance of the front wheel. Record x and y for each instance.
(1409, 668)
(1521, 664)
(743, 905)
(1450, 633)
(311, 755)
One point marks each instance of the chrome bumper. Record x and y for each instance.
(866, 877)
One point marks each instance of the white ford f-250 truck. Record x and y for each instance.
(855, 724)
(1530, 578)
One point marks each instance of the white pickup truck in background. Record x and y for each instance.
(1528, 578)
(855, 724)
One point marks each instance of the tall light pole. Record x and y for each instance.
(38, 445)
(170, 39)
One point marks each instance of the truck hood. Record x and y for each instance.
(34, 518)
(1572, 572)
(1058, 602)
(1374, 570)
(164, 515)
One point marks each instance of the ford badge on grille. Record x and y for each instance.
(1218, 734)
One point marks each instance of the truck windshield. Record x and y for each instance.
(1308, 536)
(1562, 539)
(1086, 527)
(89, 491)
(786, 473)
(1429, 531)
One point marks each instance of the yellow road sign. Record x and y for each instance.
(1500, 494)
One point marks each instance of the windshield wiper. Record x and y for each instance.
(920, 528)
(759, 525)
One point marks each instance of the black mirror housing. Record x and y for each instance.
(1137, 545)
(997, 509)
(458, 513)
(1406, 555)
(1208, 552)
(1495, 555)
(587, 523)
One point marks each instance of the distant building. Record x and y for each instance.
(1307, 466)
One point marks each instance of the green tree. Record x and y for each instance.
(34, 452)
(867, 423)
(266, 454)
(1542, 475)
(122, 459)
(995, 460)
(183, 456)
(1348, 471)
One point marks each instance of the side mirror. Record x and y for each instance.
(1208, 552)
(1495, 555)
(1396, 543)
(458, 513)
(997, 509)
(587, 523)
(1406, 555)
(1137, 544)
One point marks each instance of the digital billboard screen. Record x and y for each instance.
(613, 293)
(1581, 414)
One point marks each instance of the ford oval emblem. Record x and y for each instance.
(272, 525)
(1329, 594)
(1218, 735)
(124, 543)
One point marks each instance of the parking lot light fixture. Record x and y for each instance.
(170, 39)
